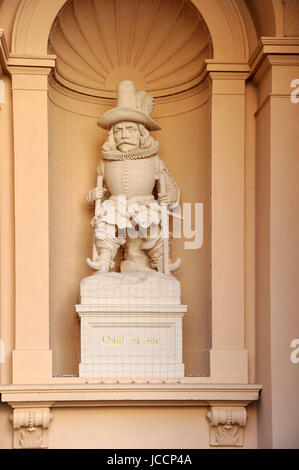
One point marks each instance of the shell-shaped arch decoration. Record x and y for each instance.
(159, 44)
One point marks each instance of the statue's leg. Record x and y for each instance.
(154, 249)
(107, 246)
(154, 246)
(135, 257)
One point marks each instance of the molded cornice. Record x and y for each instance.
(17, 60)
(174, 394)
(272, 46)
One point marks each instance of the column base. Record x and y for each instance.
(229, 365)
(31, 366)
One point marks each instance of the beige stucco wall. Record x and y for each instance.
(148, 428)
(261, 127)
(5, 427)
(128, 428)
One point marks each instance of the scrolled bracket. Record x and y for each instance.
(31, 427)
(227, 426)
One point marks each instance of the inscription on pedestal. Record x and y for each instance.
(122, 340)
(125, 339)
(114, 344)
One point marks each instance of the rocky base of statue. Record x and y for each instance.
(133, 287)
(131, 326)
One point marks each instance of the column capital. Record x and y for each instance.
(277, 50)
(30, 64)
(17, 63)
(30, 72)
(227, 66)
(231, 74)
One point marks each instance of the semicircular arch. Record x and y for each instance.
(223, 18)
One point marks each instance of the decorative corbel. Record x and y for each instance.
(227, 426)
(31, 427)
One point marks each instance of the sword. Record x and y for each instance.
(164, 226)
(94, 263)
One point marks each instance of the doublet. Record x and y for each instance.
(131, 178)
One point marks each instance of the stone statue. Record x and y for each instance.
(135, 192)
(131, 321)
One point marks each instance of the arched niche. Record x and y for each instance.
(223, 18)
(182, 108)
(161, 45)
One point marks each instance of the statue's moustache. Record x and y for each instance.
(127, 142)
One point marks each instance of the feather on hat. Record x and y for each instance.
(131, 106)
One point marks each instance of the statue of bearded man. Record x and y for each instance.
(133, 185)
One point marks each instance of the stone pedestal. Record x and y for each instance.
(131, 326)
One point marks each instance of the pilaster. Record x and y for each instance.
(32, 356)
(275, 72)
(228, 357)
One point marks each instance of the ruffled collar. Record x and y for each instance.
(140, 153)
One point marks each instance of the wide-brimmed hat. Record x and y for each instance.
(131, 106)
